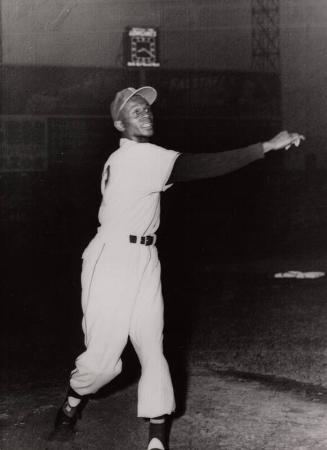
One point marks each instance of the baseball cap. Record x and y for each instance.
(122, 97)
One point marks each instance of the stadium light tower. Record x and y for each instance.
(266, 35)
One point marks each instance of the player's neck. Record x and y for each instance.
(139, 139)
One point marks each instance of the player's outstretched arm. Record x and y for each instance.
(283, 140)
(195, 166)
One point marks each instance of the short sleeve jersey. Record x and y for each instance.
(132, 180)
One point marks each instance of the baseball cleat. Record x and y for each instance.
(65, 421)
(155, 444)
(67, 415)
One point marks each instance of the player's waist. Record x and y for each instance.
(127, 238)
(149, 239)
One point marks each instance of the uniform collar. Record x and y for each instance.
(125, 141)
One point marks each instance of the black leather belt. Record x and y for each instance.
(144, 240)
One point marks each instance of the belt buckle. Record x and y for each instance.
(146, 240)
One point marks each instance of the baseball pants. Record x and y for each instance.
(121, 298)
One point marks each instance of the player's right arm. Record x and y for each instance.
(193, 166)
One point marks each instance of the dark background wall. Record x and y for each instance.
(208, 35)
(56, 135)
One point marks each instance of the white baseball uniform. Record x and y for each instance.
(121, 284)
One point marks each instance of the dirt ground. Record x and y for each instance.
(224, 411)
(254, 377)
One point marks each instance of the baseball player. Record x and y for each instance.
(121, 285)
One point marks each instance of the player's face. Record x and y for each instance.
(137, 120)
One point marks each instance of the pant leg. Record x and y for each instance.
(108, 294)
(155, 390)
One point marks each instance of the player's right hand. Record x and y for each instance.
(284, 139)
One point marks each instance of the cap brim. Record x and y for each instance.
(147, 92)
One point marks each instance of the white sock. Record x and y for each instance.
(73, 401)
(155, 443)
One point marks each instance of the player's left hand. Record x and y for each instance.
(284, 139)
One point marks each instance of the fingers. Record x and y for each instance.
(295, 139)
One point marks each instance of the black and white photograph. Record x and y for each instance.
(163, 172)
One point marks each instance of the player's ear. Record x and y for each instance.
(118, 124)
